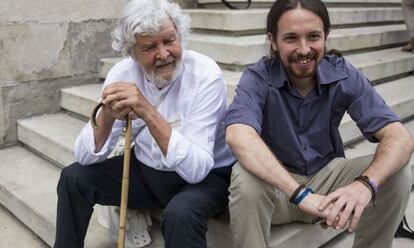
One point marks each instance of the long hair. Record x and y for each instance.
(147, 17)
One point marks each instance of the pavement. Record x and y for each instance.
(15, 234)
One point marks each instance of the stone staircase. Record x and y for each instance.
(369, 33)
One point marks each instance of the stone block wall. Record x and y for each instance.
(45, 46)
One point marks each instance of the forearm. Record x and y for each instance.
(254, 155)
(103, 130)
(394, 150)
(159, 128)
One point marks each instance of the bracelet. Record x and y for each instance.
(295, 193)
(370, 184)
(302, 196)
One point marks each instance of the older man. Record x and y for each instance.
(283, 128)
(177, 99)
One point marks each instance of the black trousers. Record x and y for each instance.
(187, 206)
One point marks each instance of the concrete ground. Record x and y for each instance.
(14, 234)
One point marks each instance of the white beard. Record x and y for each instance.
(162, 83)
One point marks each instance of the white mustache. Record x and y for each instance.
(164, 62)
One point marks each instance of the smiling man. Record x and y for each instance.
(283, 127)
(180, 160)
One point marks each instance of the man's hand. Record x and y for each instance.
(109, 112)
(346, 205)
(122, 97)
(310, 205)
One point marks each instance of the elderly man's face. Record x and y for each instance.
(300, 42)
(160, 54)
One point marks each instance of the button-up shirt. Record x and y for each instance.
(194, 105)
(302, 131)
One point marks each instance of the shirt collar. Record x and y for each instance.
(326, 73)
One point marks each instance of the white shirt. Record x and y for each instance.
(194, 106)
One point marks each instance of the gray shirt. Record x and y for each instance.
(303, 131)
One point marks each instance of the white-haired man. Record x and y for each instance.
(177, 99)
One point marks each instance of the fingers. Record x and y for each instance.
(331, 218)
(355, 218)
(132, 115)
(119, 96)
(116, 88)
(123, 113)
(345, 215)
(330, 198)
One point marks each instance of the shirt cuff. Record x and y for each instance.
(177, 150)
(90, 142)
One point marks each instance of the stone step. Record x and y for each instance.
(364, 147)
(244, 50)
(28, 190)
(376, 65)
(31, 197)
(254, 20)
(15, 234)
(397, 93)
(81, 100)
(381, 64)
(52, 136)
(268, 3)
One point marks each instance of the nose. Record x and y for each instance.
(303, 48)
(162, 53)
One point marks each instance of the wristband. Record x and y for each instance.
(295, 194)
(370, 184)
(302, 196)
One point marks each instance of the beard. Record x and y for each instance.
(158, 79)
(312, 59)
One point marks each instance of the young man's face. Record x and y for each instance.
(160, 54)
(300, 42)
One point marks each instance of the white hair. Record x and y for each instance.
(147, 17)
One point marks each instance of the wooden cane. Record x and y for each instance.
(125, 175)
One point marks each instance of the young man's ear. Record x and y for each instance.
(272, 41)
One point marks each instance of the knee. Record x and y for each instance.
(70, 175)
(184, 212)
(400, 183)
(247, 188)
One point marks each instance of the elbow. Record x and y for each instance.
(231, 136)
(199, 174)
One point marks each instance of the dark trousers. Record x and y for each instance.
(187, 206)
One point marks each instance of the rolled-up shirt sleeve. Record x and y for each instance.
(85, 144)
(247, 106)
(368, 109)
(191, 146)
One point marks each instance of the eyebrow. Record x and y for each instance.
(316, 31)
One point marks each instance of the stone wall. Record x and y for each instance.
(45, 46)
